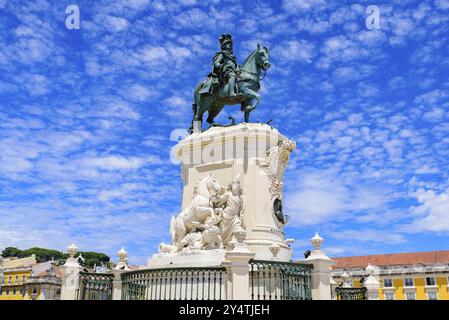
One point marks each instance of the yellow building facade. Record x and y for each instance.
(15, 274)
(12, 287)
(25, 279)
(403, 276)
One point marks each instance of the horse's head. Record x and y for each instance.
(213, 185)
(208, 185)
(263, 58)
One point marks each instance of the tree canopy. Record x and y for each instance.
(43, 255)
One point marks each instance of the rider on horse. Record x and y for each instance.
(224, 68)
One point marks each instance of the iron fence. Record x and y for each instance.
(200, 283)
(350, 293)
(95, 286)
(271, 280)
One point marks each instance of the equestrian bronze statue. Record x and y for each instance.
(229, 84)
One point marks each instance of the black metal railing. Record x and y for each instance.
(95, 286)
(350, 293)
(200, 283)
(271, 280)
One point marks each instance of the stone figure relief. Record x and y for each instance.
(275, 165)
(276, 188)
(277, 158)
(196, 214)
(211, 220)
(230, 210)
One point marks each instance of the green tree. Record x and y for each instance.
(94, 258)
(43, 255)
(12, 252)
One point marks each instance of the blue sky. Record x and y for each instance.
(86, 117)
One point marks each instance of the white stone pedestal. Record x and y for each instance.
(194, 258)
(70, 279)
(258, 154)
(372, 283)
(321, 273)
(238, 260)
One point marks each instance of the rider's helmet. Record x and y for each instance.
(225, 38)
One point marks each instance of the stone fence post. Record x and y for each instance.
(70, 280)
(372, 283)
(121, 267)
(333, 285)
(238, 264)
(321, 273)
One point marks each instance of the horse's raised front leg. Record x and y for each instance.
(251, 94)
(247, 105)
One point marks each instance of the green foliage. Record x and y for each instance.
(11, 252)
(42, 255)
(94, 258)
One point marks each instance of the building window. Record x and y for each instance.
(21, 291)
(388, 283)
(408, 282)
(9, 280)
(16, 280)
(389, 295)
(23, 279)
(410, 296)
(430, 281)
(34, 290)
(7, 292)
(1, 290)
(432, 295)
(14, 291)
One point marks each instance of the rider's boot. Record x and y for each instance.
(231, 85)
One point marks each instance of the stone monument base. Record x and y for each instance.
(191, 258)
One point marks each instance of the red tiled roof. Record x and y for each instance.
(411, 258)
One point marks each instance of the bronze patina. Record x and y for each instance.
(229, 83)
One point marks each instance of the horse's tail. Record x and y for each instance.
(197, 94)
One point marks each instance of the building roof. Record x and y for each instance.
(19, 263)
(412, 258)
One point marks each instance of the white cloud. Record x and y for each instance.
(154, 53)
(442, 4)
(138, 92)
(14, 164)
(292, 6)
(115, 24)
(432, 213)
(435, 114)
(369, 235)
(323, 195)
(113, 162)
(295, 50)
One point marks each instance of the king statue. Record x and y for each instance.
(225, 65)
(229, 84)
